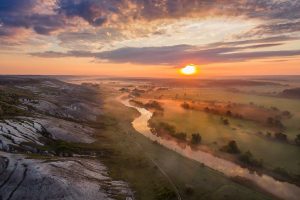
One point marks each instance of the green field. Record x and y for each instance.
(215, 135)
(136, 159)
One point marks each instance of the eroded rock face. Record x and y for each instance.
(63, 178)
(41, 113)
(15, 132)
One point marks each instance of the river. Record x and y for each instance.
(279, 189)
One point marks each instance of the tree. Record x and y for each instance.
(180, 136)
(231, 147)
(228, 113)
(225, 122)
(166, 127)
(281, 136)
(287, 114)
(248, 159)
(185, 105)
(196, 138)
(297, 139)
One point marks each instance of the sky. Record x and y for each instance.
(150, 38)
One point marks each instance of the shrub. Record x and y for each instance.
(248, 159)
(196, 138)
(297, 139)
(287, 114)
(154, 105)
(225, 122)
(281, 171)
(189, 190)
(281, 136)
(231, 147)
(166, 127)
(180, 136)
(185, 105)
(228, 113)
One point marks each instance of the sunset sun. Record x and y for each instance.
(189, 70)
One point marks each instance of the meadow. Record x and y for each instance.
(134, 158)
(249, 134)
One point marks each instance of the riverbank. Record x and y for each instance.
(287, 191)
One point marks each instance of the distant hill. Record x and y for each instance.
(291, 93)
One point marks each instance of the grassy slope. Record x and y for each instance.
(129, 154)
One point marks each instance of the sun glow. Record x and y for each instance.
(189, 70)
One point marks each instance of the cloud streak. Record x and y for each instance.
(172, 55)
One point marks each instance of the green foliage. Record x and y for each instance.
(10, 110)
(180, 136)
(281, 171)
(164, 193)
(275, 123)
(196, 138)
(154, 105)
(297, 139)
(248, 159)
(189, 190)
(166, 127)
(231, 147)
(60, 148)
(281, 136)
(185, 105)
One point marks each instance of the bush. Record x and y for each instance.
(248, 159)
(287, 114)
(225, 122)
(297, 139)
(154, 105)
(180, 136)
(275, 122)
(189, 190)
(166, 127)
(196, 138)
(281, 136)
(231, 147)
(281, 171)
(228, 113)
(185, 105)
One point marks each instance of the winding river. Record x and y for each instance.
(279, 189)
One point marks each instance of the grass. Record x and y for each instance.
(130, 157)
(221, 94)
(215, 135)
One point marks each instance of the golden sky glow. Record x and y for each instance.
(239, 38)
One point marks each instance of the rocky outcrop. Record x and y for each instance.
(64, 178)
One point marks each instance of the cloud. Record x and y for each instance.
(97, 12)
(173, 55)
(25, 13)
(274, 29)
(91, 24)
(22, 14)
(282, 39)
